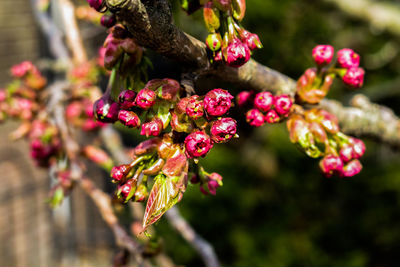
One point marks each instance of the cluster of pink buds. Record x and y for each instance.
(231, 43)
(107, 20)
(121, 50)
(315, 83)
(317, 133)
(209, 182)
(45, 143)
(196, 124)
(264, 107)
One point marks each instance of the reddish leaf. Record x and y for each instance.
(166, 192)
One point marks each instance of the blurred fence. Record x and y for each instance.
(32, 234)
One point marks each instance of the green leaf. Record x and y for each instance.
(166, 192)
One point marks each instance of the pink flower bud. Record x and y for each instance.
(331, 165)
(214, 41)
(236, 53)
(98, 156)
(194, 108)
(323, 54)
(283, 104)
(118, 173)
(244, 98)
(197, 144)
(3, 95)
(217, 102)
(73, 110)
(272, 117)
(354, 77)
(223, 130)
(96, 4)
(146, 98)
(359, 148)
(352, 168)
(126, 99)
(108, 21)
(106, 110)
(100, 56)
(347, 58)
(129, 118)
(126, 190)
(90, 125)
(152, 128)
(218, 56)
(21, 69)
(255, 118)
(264, 101)
(252, 41)
(212, 187)
(346, 153)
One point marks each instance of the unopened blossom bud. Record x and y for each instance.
(359, 148)
(331, 165)
(346, 153)
(236, 53)
(108, 21)
(212, 187)
(146, 147)
(253, 41)
(141, 193)
(352, 168)
(239, 9)
(73, 110)
(323, 54)
(197, 144)
(217, 102)
(272, 117)
(354, 77)
(223, 130)
(129, 118)
(211, 17)
(218, 56)
(194, 108)
(244, 98)
(90, 125)
(195, 179)
(167, 89)
(3, 95)
(146, 98)
(98, 156)
(347, 58)
(127, 190)
(96, 4)
(118, 173)
(255, 118)
(126, 99)
(264, 101)
(100, 56)
(214, 41)
(106, 110)
(21, 69)
(152, 128)
(283, 104)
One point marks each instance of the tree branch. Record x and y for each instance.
(150, 23)
(382, 16)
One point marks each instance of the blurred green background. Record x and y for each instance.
(275, 208)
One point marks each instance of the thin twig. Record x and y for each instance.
(202, 247)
